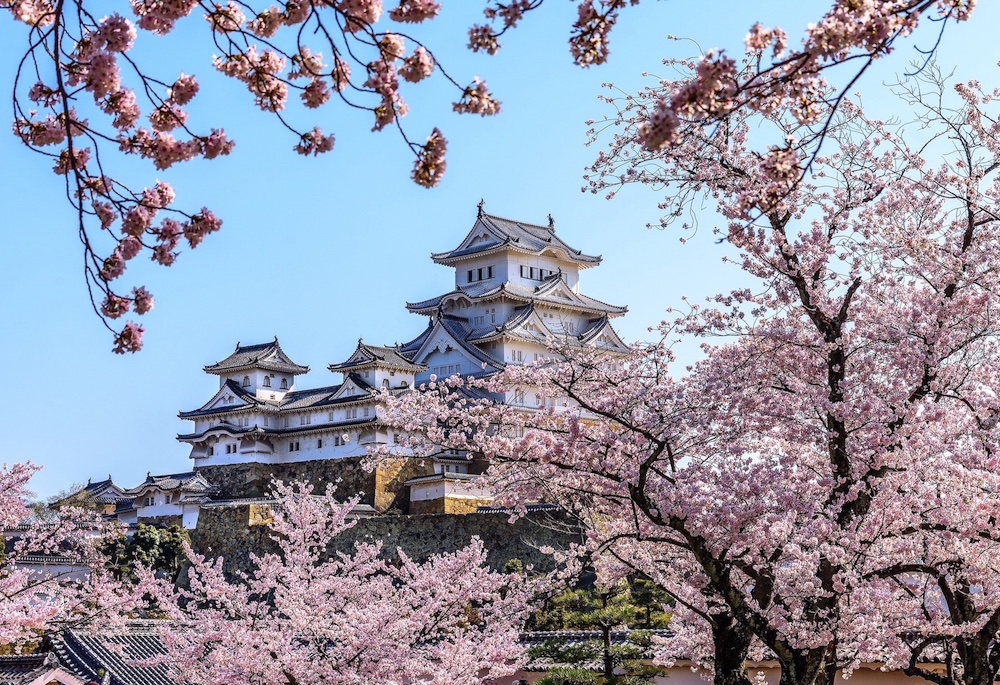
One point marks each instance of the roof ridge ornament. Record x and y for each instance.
(479, 207)
(552, 223)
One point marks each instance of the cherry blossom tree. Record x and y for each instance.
(822, 485)
(83, 97)
(304, 616)
(33, 602)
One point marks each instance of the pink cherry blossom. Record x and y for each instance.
(142, 299)
(418, 66)
(314, 143)
(114, 306)
(129, 339)
(477, 100)
(430, 164)
(415, 11)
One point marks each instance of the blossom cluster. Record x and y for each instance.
(363, 616)
(90, 92)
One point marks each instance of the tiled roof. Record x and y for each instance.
(316, 397)
(115, 656)
(267, 356)
(410, 348)
(516, 234)
(376, 355)
(541, 293)
(313, 398)
(25, 668)
(250, 401)
(512, 326)
(264, 432)
(189, 482)
(459, 330)
(101, 492)
(444, 475)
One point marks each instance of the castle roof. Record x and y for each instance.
(367, 356)
(25, 669)
(113, 658)
(101, 492)
(493, 233)
(189, 482)
(266, 356)
(258, 432)
(553, 291)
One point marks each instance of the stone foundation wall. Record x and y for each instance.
(448, 505)
(254, 480)
(161, 521)
(234, 532)
(390, 491)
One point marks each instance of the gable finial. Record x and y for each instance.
(480, 207)
(359, 342)
(552, 223)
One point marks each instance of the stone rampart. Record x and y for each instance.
(235, 531)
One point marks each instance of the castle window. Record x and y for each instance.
(150, 501)
(284, 423)
(305, 420)
(404, 384)
(267, 381)
(284, 384)
(319, 443)
(211, 451)
(365, 412)
(475, 275)
(330, 417)
(293, 446)
(385, 383)
(338, 441)
(246, 381)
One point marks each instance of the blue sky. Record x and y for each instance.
(325, 250)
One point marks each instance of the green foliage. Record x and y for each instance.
(160, 549)
(562, 675)
(628, 605)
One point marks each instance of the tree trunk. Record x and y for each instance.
(732, 642)
(807, 667)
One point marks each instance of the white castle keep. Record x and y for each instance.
(517, 291)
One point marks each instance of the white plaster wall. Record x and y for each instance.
(189, 519)
(462, 270)
(422, 492)
(457, 488)
(158, 509)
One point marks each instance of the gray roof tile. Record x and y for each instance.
(116, 656)
(516, 234)
(376, 355)
(267, 356)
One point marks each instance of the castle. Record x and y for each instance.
(517, 290)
